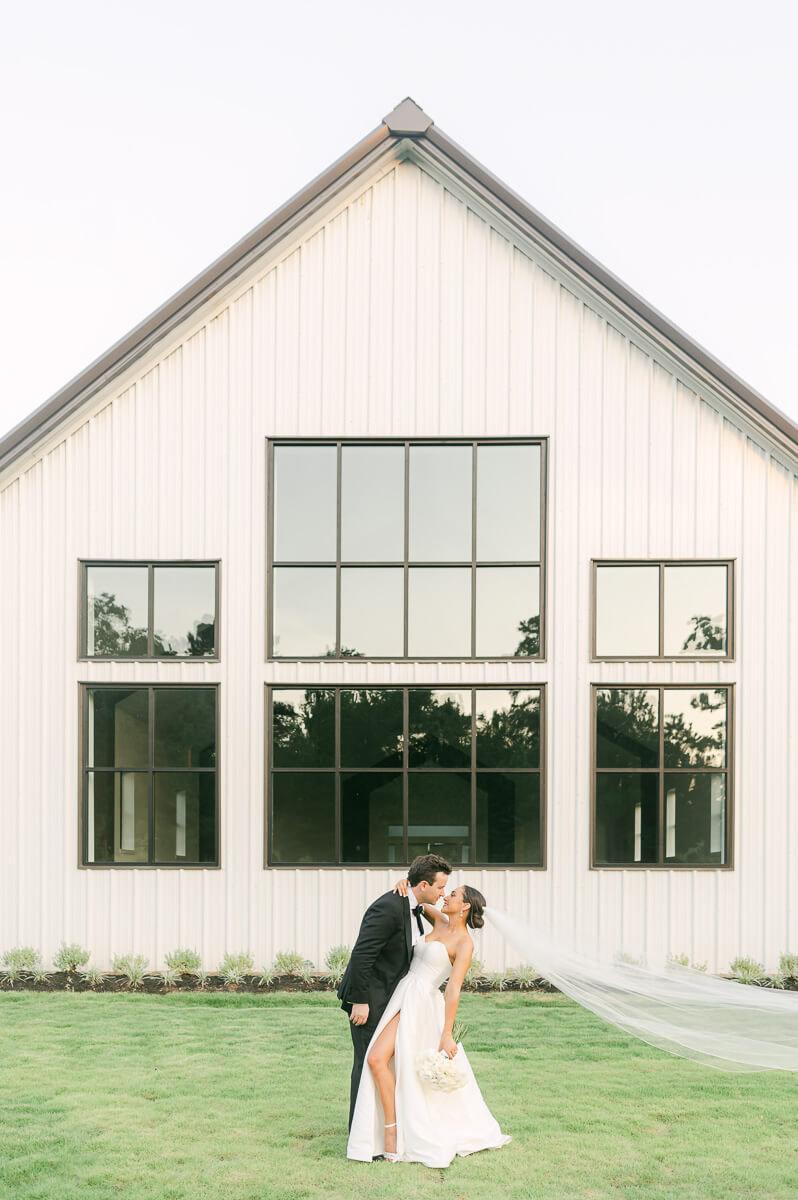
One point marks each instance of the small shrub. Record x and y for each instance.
(183, 961)
(631, 960)
(526, 976)
(266, 977)
(682, 960)
(288, 962)
(134, 966)
(94, 977)
(307, 972)
(203, 978)
(474, 972)
(22, 958)
(169, 976)
(747, 970)
(788, 966)
(233, 967)
(496, 980)
(70, 957)
(39, 973)
(336, 961)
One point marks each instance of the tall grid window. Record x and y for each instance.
(143, 610)
(396, 549)
(662, 779)
(663, 609)
(375, 776)
(149, 768)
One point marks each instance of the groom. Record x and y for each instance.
(381, 955)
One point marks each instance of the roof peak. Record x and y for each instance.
(407, 119)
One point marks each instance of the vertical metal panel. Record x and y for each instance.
(403, 311)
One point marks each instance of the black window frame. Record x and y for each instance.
(150, 564)
(662, 563)
(474, 563)
(405, 771)
(661, 771)
(84, 687)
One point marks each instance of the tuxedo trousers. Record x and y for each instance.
(361, 1036)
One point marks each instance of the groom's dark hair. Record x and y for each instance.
(426, 867)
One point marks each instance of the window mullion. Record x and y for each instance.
(151, 776)
(661, 789)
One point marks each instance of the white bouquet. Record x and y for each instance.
(437, 1069)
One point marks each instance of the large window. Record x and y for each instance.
(377, 775)
(661, 794)
(149, 775)
(395, 550)
(148, 610)
(665, 609)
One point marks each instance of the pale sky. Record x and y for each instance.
(141, 140)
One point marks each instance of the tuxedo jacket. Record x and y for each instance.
(380, 956)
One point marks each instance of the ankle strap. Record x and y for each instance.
(391, 1125)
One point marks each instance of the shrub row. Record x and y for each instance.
(23, 967)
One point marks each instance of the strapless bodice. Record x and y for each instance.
(430, 963)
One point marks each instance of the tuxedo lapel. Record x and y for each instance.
(408, 929)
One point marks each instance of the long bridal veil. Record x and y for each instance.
(717, 1022)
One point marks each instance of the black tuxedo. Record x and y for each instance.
(380, 958)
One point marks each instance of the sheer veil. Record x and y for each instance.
(716, 1022)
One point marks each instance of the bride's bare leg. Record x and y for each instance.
(379, 1056)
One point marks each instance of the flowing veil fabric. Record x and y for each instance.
(716, 1022)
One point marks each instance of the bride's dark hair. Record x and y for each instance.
(477, 901)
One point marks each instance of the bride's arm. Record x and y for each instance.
(433, 914)
(462, 961)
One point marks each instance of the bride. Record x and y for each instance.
(396, 1114)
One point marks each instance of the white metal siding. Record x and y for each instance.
(402, 312)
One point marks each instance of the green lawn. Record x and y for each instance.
(236, 1097)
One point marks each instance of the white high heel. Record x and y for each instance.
(387, 1154)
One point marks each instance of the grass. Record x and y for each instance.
(245, 1097)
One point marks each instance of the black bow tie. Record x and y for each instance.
(417, 911)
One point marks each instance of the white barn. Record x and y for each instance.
(405, 525)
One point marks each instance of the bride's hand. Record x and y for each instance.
(402, 887)
(448, 1045)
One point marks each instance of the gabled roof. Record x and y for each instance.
(406, 121)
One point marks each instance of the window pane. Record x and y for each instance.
(185, 610)
(372, 611)
(303, 817)
(626, 818)
(303, 728)
(116, 607)
(185, 727)
(117, 816)
(695, 610)
(304, 611)
(118, 728)
(185, 817)
(373, 503)
(508, 728)
(508, 817)
(695, 728)
(305, 503)
(508, 503)
(439, 728)
(371, 818)
(627, 611)
(440, 503)
(439, 815)
(695, 818)
(508, 611)
(439, 617)
(371, 727)
(627, 728)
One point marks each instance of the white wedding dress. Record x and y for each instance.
(432, 1126)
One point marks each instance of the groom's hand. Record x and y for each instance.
(359, 1014)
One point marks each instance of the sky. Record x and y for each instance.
(140, 141)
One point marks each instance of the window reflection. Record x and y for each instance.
(508, 503)
(305, 503)
(626, 818)
(117, 816)
(695, 610)
(508, 817)
(695, 728)
(371, 818)
(440, 503)
(304, 611)
(184, 604)
(185, 727)
(508, 728)
(627, 611)
(508, 611)
(371, 727)
(695, 818)
(372, 612)
(185, 816)
(116, 611)
(627, 727)
(118, 728)
(439, 815)
(372, 503)
(439, 616)
(439, 728)
(303, 817)
(303, 728)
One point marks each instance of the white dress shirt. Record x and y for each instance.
(417, 935)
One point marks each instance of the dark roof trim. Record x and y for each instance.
(406, 120)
